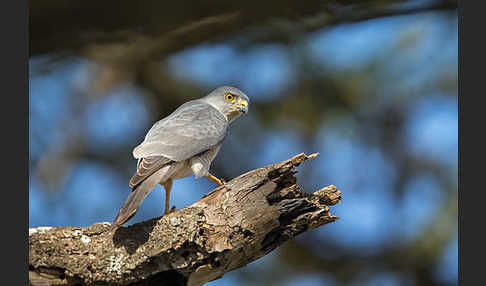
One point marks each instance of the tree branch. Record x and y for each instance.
(116, 31)
(231, 226)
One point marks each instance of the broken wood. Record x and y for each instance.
(231, 226)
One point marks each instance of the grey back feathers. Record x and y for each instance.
(191, 129)
(146, 167)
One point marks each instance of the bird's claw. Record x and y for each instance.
(173, 209)
(216, 180)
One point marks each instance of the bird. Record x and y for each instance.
(182, 144)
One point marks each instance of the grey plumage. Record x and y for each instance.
(193, 127)
(182, 144)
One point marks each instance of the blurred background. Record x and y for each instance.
(370, 85)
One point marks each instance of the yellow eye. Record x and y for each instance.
(229, 97)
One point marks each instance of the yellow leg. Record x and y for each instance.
(214, 179)
(167, 186)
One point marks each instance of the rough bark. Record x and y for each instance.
(231, 226)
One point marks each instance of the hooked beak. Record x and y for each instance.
(243, 106)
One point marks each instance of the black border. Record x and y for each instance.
(15, 152)
(471, 129)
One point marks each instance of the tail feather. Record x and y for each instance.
(137, 196)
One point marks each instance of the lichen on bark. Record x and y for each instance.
(226, 229)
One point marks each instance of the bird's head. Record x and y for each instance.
(229, 100)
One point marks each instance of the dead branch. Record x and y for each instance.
(233, 225)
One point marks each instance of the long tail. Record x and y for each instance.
(137, 196)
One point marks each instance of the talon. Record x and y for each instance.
(167, 211)
(220, 182)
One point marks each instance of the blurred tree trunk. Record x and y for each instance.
(128, 32)
(228, 228)
(130, 38)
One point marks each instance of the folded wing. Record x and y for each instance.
(190, 130)
(146, 167)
